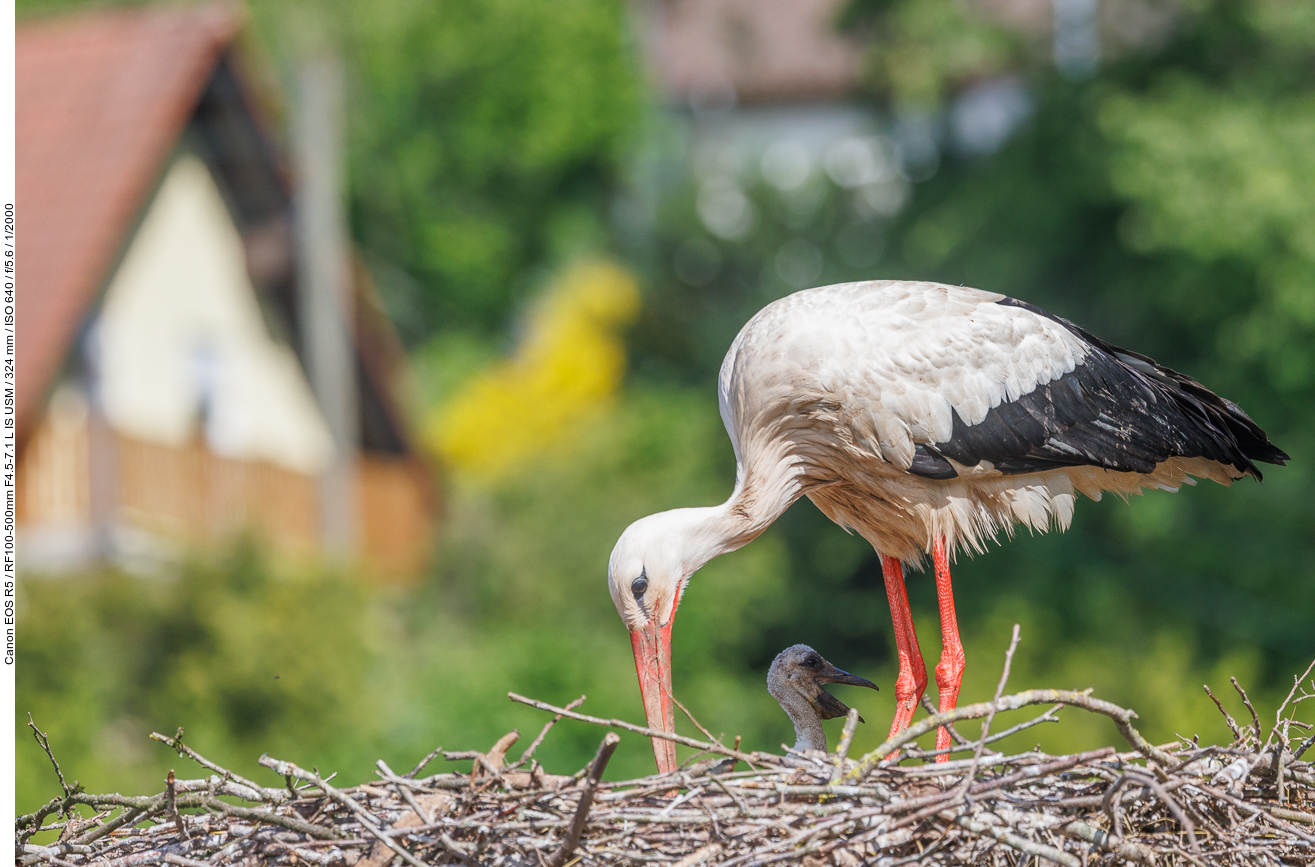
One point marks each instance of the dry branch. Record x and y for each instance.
(1153, 805)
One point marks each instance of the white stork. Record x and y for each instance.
(928, 419)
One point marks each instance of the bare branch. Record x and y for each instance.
(605, 750)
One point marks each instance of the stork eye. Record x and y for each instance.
(638, 586)
(813, 661)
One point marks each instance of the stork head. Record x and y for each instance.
(795, 680)
(650, 566)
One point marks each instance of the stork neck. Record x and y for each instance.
(715, 530)
(808, 731)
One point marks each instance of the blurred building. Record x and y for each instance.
(163, 395)
(754, 51)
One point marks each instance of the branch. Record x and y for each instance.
(288, 769)
(605, 750)
(274, 796)
(1121, 717)
(44, 743)
(640, 730)
(543, 733)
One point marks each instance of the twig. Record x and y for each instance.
(403, 791)
(44, 743)
(698, 725)
(410, 775)
(367, 821)
(182, 861)
(1255, 718)
(263, 794)
(986, 723)
(1048, 716)
(173, 805)
(1189, 828)
(1131, 851)
(958, 739)
(1228, 717)
(543, 733)
(1278, 715)
(291, 823)
(605, 750)
(641, 730)
(1040, 850)
(1121, 717)
(846, 738)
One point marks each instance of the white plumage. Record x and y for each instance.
(927, 418)
(828, 392)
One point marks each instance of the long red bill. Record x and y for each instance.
(652, 647)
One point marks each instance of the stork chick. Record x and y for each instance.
(795, 680)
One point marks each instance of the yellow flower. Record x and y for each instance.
(569, 366)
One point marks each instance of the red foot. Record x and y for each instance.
(912, 680)
(949, 671)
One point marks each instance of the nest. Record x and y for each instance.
(1250, 802)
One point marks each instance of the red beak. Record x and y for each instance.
(652, 646)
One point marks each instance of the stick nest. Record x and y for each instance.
(1251, 802)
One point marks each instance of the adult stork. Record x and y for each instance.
(927, 419)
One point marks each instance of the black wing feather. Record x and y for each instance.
(1117, 409)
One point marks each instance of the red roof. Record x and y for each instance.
(102, 100)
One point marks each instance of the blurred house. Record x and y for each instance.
(753, 51)
(163, 397)
(754, 74)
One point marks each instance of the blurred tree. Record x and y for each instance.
(485, 139)
(1164, 203)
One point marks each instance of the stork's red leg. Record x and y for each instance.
(912, 679)
(949, 671)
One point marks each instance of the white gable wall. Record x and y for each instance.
(182, 342)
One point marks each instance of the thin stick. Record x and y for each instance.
(173, 805)
(291, 823)
(44, 743)
(1278, 715)
(639, 730)
(1255, 718)
(998, 736)
(605, 750)
(1189, 827)
(367, 821)
(183, 861)
(1104, 840)
(1040, 850)
(403, 791)
(410, 775)
(698, 725)
(1121, 717)
(958, 739)
(986, 723)
(1228, 717)
(846, 738)
(264, 794)
(543, 733)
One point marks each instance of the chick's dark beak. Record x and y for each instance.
(826, 704)
(831, 674)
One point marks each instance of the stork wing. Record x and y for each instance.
(936, 379)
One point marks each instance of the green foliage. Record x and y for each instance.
(485, 138)
(929, 47)
(245, 659)
(520, 604)
(1164, 203)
